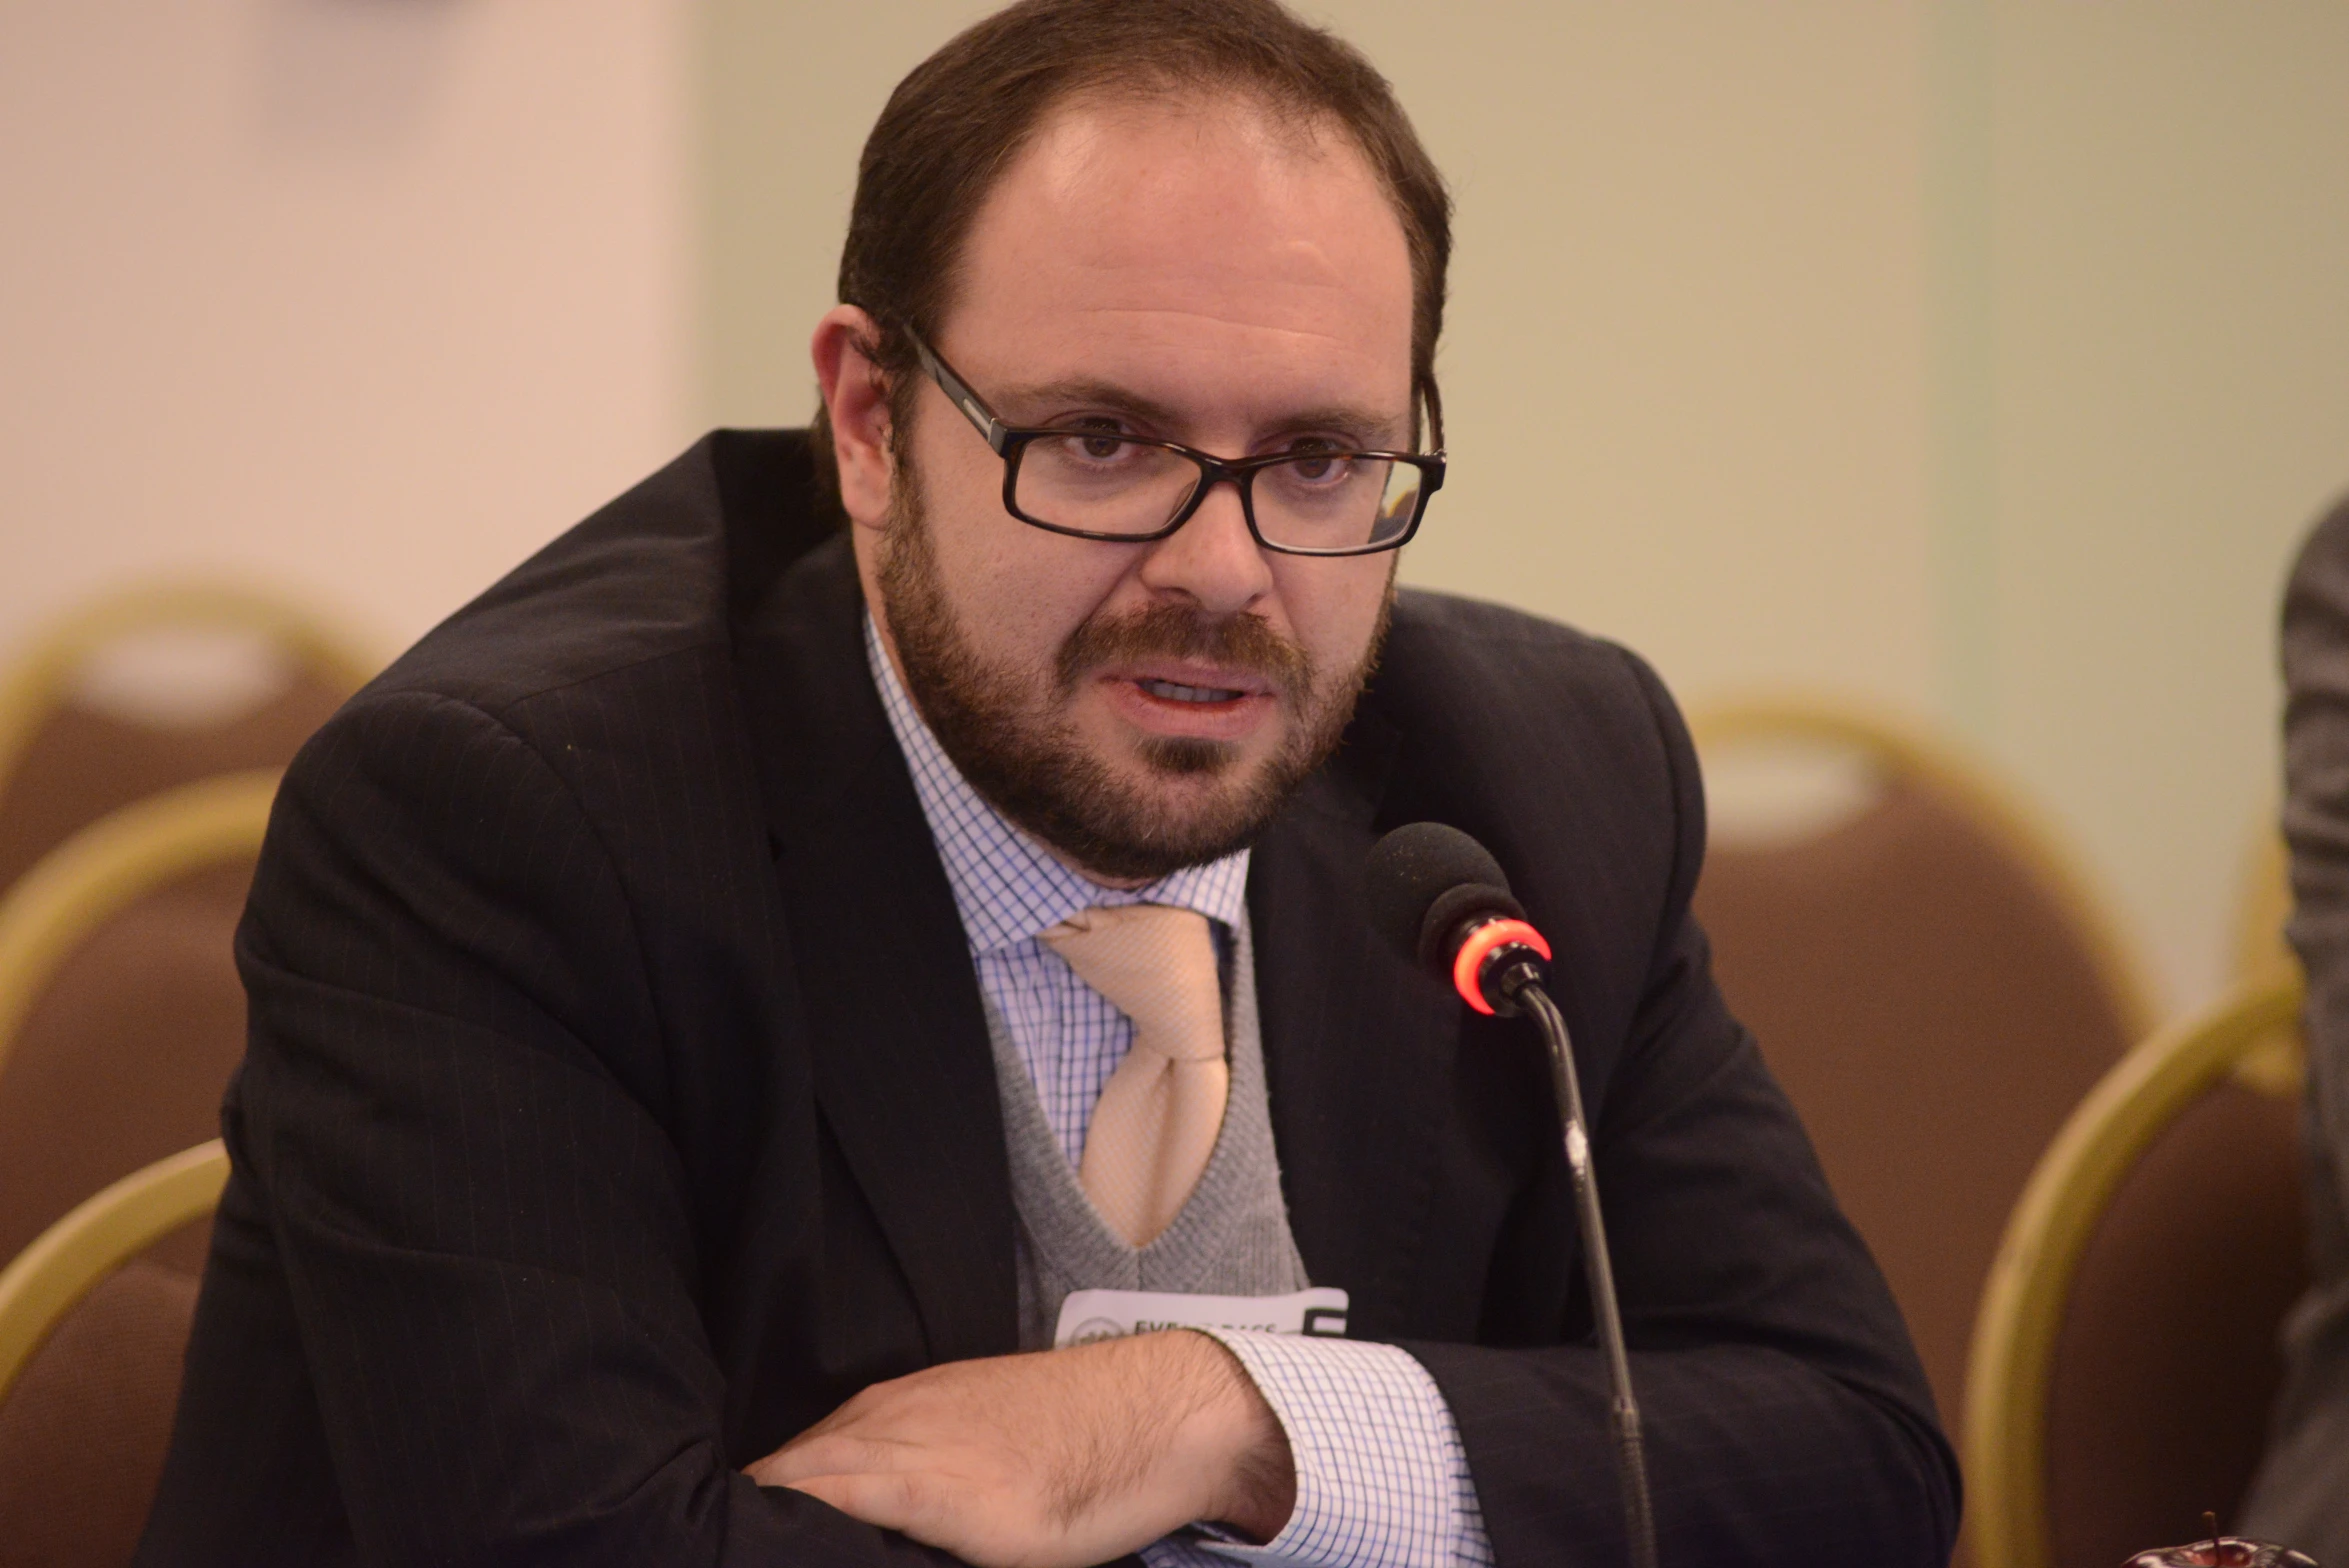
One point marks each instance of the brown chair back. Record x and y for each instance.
(2166, 1364)
(84, 1432)
(121, 1015)
(77, 764)
(119, 1062)
(1922, 982)
(2125, 1357)
(67, 757)
(93, 1330)
(123, 1056)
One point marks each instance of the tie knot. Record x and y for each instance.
(1155, 964)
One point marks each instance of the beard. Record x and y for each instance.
(1012, 734)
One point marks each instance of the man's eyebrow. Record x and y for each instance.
(1345, 419)
(1104, 395)
(1341, 418)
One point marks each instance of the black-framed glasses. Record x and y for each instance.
(1098, 484)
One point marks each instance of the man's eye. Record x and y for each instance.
(1090, 442)
(1313, 458)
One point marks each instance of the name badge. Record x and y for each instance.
(1089, 1315)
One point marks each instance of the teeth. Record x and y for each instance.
(1175, 693)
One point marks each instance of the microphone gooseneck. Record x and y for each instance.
(1439, 897)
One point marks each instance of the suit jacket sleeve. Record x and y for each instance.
(450, 1123)
(2305, 1474)
(2316, 823)
(1785, 1418)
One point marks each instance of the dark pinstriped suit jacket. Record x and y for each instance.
(619, 1101)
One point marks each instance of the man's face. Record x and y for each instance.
(1190, 272)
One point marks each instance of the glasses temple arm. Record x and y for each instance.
(958, 392)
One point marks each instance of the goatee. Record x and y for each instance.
(1010, 731)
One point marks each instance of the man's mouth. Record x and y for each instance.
(1173, 692)
(1193, 704)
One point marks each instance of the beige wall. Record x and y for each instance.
(2170, 404)
(368, 299)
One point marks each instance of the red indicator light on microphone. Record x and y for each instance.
(1481, 944)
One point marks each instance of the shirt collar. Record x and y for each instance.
(1007, 887)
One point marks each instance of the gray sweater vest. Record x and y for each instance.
(1232, 1236)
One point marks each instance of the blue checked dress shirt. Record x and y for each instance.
(1382, 1478)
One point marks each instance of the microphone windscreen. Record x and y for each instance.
(1425, 880)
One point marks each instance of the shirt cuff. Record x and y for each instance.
(1382, 1477)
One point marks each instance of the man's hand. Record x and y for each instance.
(1053, 1460)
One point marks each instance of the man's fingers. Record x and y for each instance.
(834, 1454)
(1048, 1461)
(939, 1512)
(883, 1500)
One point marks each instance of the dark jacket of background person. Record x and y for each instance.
(2302, 1492)
(619, 1099)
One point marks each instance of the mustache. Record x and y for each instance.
(1245, 642)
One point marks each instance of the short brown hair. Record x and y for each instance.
(955, 124)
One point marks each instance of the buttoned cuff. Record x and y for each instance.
(1382, 1477)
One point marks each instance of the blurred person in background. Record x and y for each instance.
(2302, 1490)
(719, 996)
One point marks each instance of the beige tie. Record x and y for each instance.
(1157, 1119)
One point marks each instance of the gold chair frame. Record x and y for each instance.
(2013, 1356)
(69, 1259)
(2261, 956)
(1903, 749)
(99, 871)
(2263, 902)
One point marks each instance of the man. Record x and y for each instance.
(735, 985)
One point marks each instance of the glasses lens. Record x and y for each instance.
(1103, 484)
(1332, 501)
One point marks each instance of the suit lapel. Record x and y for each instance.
(1358, 1047)
(903, 1071)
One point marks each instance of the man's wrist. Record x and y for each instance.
(1244, 1453)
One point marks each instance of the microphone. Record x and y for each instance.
(1440, 897)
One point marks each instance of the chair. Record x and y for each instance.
(2126, 1357)
(1926, 977)
(92, 1334)
(121, 1016)
(87, 726)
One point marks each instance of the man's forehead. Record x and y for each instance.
(1200, 215)
(1087, 126)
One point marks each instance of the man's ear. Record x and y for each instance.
(856, 397)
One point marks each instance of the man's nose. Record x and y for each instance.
(1212, 559)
